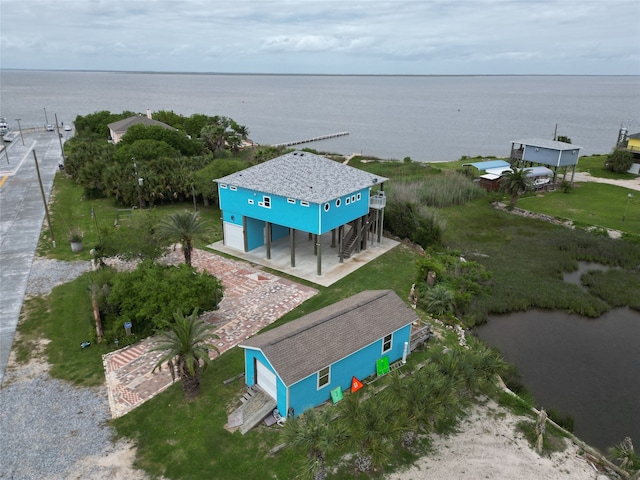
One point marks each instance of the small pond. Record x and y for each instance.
(588, 368)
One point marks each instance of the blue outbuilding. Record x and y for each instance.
(301, 191)
(550, 153)
(298, 364)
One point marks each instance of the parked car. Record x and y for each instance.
(67, 128)
(49, 128)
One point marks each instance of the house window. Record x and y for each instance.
(347, 200)
(223, 185)
(326, 207)
(304, 204)
(232, 188)
(338, 203)
(323, 377)
(353, 198)
(250, 200)
(291, 200)
(266, 202)
(359, 196)
(386, 343)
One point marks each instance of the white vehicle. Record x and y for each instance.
(49, 128)
(67, 128)
(4, 128)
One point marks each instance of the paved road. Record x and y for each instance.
(21, 218)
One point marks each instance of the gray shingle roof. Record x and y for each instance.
(304, 176)
(319, 339)
(543, 143)
(124, 124)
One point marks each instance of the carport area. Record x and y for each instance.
(305, 257)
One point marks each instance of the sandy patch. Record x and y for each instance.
(115, 464)
(488, 446)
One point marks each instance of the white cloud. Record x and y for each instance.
(387, 37)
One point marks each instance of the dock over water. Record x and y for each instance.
(314, 139)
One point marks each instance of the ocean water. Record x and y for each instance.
(427, 118)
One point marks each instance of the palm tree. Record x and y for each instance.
(516, 182)
(439, 300)
(185, 344)
(625, 456)
(316, 432)
(375, 427)
(183, 227)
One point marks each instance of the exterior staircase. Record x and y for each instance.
(256, 405)
(349, 243)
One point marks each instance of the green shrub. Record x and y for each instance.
(565, 421)
(150, 294)
(619, 161)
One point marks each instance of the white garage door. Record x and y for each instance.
(266, 379)
(233, 236)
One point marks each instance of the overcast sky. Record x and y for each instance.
(582, 37)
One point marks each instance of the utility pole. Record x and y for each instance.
(59, 138)
(45, 116)
(20, 128)
(44, 199)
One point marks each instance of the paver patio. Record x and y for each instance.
(252, 300)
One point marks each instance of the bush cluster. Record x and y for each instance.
(149, 295)
(395, 421)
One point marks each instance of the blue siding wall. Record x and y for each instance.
(361, 364)
(255, 233)
(569, 157)
(280, 211)
(237, 219)
(278, 231)
(250, 379)
(551, 157)
(340, 211)
(290, 213)
(542, 155)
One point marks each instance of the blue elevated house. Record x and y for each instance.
(298, 364)
(301, 191)
(549, 153)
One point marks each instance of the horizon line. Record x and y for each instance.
(163, 72)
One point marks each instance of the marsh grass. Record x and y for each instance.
(443, 190)
(553, 440)
(616, 287)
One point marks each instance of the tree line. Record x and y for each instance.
(152, 165)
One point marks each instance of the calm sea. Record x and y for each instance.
(428, 118)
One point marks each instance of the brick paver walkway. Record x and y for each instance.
(252, 300)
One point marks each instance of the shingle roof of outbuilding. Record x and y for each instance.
(306, 345)
(124, 124)
(543, 143)
(304, 176)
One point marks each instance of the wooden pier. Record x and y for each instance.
(314, 139)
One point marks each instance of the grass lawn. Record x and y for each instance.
(594, 165)
(70, 210)
(589, 204)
